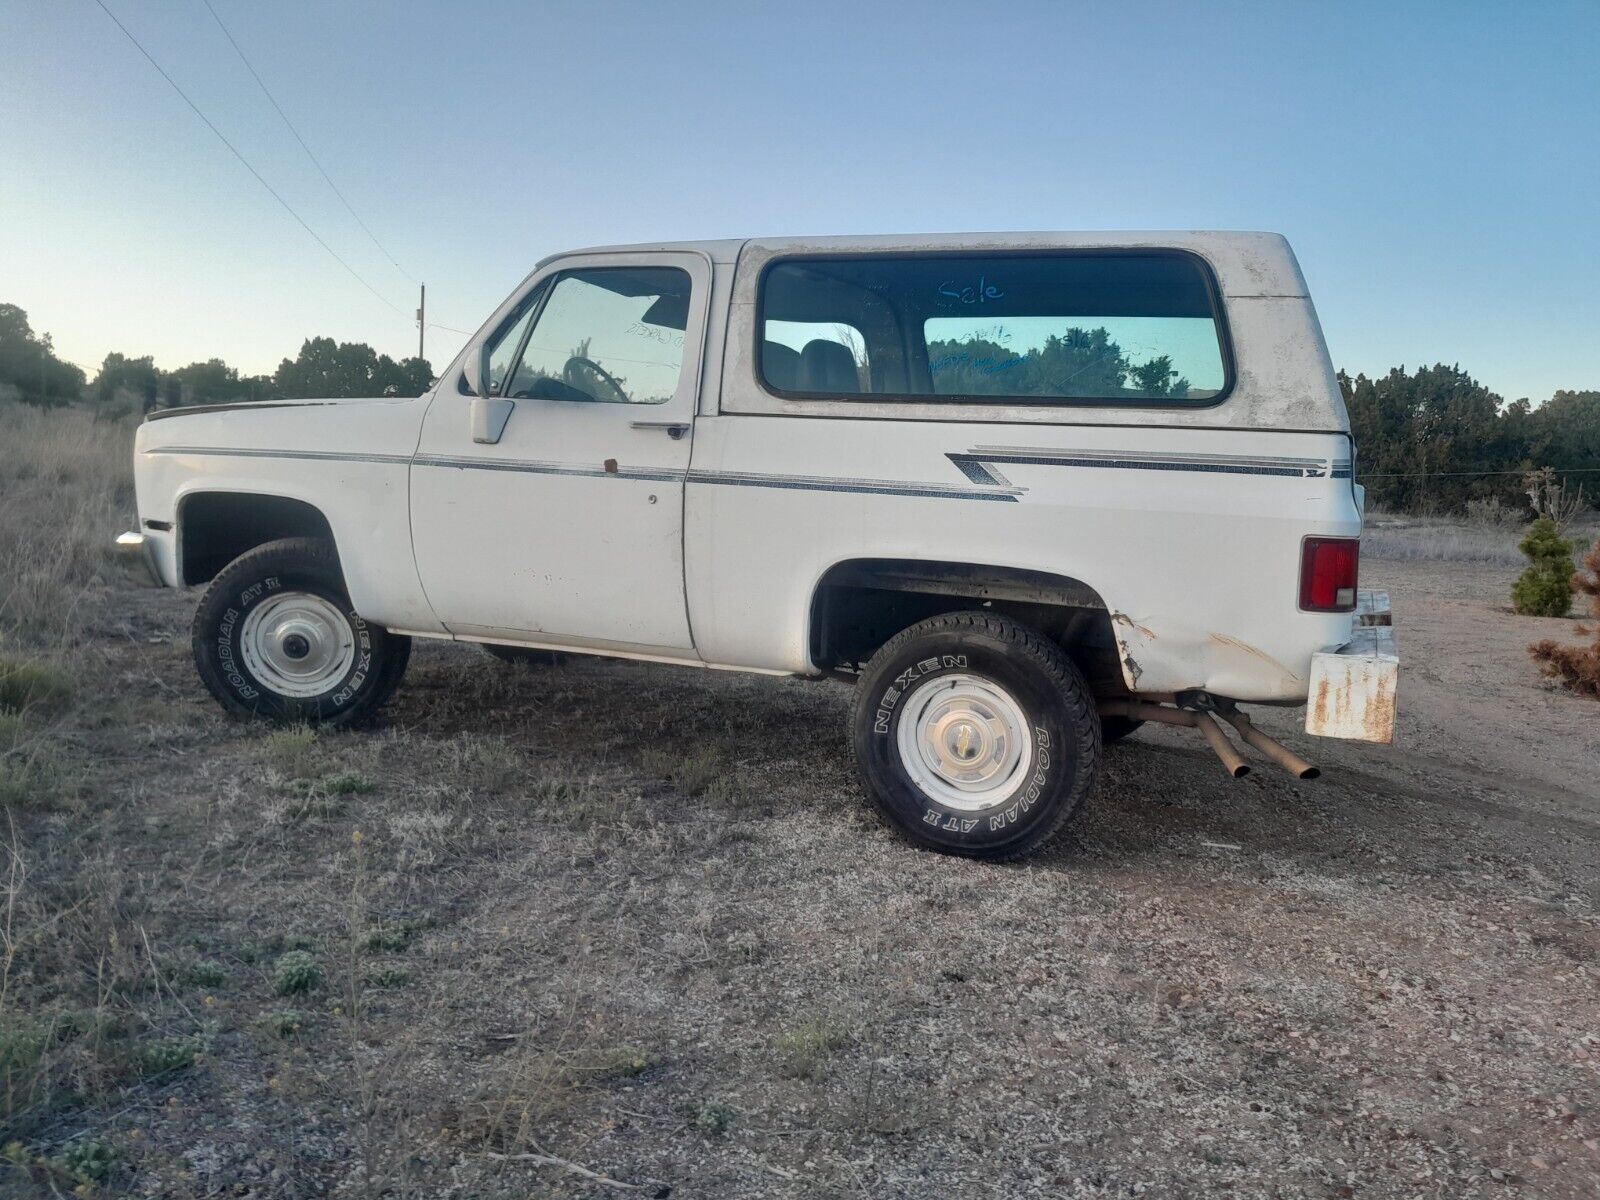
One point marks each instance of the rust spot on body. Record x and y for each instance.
(1125, 619)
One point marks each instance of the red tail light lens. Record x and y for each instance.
(1328, 571)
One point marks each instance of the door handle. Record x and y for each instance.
(673, 429)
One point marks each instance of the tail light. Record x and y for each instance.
(1328, 572)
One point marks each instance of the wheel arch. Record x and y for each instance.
(216, 526)
(858, 604)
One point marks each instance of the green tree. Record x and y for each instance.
(1428, 441)
(209, 382)
(325, 368)
(128, 377)
(1564, 432)
(29, 364)
(1545, 588)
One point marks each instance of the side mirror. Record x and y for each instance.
(489, 417)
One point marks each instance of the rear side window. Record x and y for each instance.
(1137, 328)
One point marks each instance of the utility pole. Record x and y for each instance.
(422, 318)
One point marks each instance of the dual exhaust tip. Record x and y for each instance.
(1210, 728)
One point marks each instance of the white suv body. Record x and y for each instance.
(772, 455)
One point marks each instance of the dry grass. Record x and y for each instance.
(68, 486)
(1403, 538)
(638, 919)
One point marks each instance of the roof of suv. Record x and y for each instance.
(1247, 263)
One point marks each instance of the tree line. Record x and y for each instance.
(1435, 439)
(1429, 440)
(323, 367)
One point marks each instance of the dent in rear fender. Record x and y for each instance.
(1164, 653)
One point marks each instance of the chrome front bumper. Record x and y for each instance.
(131, 547)
(1353, 686)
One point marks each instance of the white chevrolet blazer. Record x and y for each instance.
(1026, 491)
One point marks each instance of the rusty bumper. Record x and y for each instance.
(1353, 686)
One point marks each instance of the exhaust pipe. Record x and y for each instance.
(1187, 717)
(1273, 749)
(1141, 710)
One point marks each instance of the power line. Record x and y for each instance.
(246, 162)
(271, 99)
(261, 180)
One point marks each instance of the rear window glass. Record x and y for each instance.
(1136, 328)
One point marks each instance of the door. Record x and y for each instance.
(568, 529)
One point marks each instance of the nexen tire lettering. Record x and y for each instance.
(903, 681)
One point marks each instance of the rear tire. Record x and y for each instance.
(974, 735)
(275, 636)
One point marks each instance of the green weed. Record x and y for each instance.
(295, 972)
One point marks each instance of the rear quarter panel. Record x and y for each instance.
(1191, 537)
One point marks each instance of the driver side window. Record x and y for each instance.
(610, 335)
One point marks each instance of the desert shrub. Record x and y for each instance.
(206, 973)
(164, 1055)
(87, 1160)
(1493, 513)
(711, 1118)
(1577, 667)
(295, 972)
(1545, 588)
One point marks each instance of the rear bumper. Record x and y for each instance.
(1353, 686)
(137, 549)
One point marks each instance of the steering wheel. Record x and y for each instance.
(578, 365)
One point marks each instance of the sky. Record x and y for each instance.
(1436, 166)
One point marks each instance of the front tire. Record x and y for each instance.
(974, 735)
(276, 637)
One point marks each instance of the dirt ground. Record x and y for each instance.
(637, 920)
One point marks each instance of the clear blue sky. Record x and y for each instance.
(1436, 166)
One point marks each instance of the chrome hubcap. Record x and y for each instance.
(297, 644)
(965, 741)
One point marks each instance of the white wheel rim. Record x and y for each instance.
(297, 644)
(965, 741)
